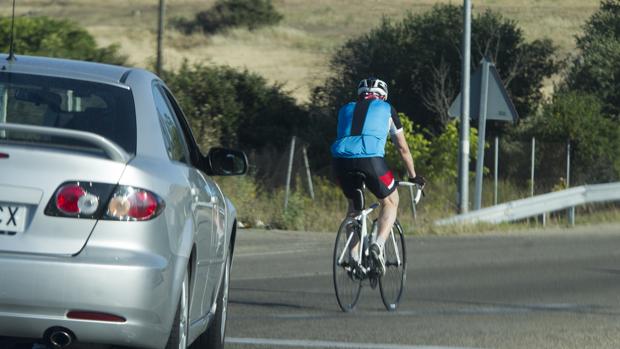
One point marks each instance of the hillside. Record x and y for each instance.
(295, 53)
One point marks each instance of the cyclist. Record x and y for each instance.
(362, 132)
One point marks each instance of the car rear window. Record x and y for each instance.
(106, 110)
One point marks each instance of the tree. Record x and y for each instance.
(43, 36)
(420, 60)
(597, 68)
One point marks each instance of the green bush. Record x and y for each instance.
(443, 157)
(418, 145)
(436, 159)
(225, 14)
(43, 36)
(235, 108)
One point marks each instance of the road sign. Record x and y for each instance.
(499, 106)
(488, 100)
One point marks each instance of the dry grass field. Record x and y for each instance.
(296, 52)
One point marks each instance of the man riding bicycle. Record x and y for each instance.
(362, 132)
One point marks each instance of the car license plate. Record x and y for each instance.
(12, 218)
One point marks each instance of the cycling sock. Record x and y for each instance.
(380, 242)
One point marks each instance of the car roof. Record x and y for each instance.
(81, 70)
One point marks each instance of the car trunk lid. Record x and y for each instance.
(29, 178)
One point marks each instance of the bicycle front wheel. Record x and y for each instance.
(346, 284)
(392, 283)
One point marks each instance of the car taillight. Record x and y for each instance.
(104, 201)
(133, 204)
(72, 199)
(79, 199)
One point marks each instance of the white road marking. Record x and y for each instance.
(308, 249)
(300, 343)
(291, 276)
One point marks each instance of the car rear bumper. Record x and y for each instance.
(37, 292)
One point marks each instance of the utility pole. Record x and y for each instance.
(160, 37)
(463, 185)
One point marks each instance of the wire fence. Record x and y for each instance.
(307, 196)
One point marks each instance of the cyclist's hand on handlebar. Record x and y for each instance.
(419, 180)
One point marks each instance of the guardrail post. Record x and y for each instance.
(571, 216)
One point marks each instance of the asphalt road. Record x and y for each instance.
(542, 289)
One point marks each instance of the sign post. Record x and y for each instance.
(490, 102)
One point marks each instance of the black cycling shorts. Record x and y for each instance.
(379, 179)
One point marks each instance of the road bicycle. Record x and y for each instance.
(349, 275)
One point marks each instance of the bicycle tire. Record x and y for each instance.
(392, 283)
(347, 288)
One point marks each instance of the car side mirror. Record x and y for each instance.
(225, 162)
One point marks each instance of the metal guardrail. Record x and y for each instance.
(539, 205)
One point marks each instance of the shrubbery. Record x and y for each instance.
(42, 36)
(225, 14)
(235, 108)
(578, 118)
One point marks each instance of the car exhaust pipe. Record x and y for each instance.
(59, 337)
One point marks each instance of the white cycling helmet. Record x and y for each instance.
(373, 85)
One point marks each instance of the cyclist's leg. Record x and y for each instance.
(342, 167)
(387, 217)
(354, 251)
(380, 181)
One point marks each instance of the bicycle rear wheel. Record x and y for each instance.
(392, 283)
(346, 284)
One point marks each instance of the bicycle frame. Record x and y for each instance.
(363, 217)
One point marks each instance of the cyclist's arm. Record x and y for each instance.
(403, 149)
(398, 138)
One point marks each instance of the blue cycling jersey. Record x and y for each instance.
(363, 127)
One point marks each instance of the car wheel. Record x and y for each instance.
(213, 337)
(178, 333)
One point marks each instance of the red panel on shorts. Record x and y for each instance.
(387, 179)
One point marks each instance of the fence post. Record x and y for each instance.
(495, 170)
(308, 174)
(533, 161)
(288, 173)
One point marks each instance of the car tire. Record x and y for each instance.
(178, 333)
(213, 337)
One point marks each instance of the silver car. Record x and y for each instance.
(112, 229)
